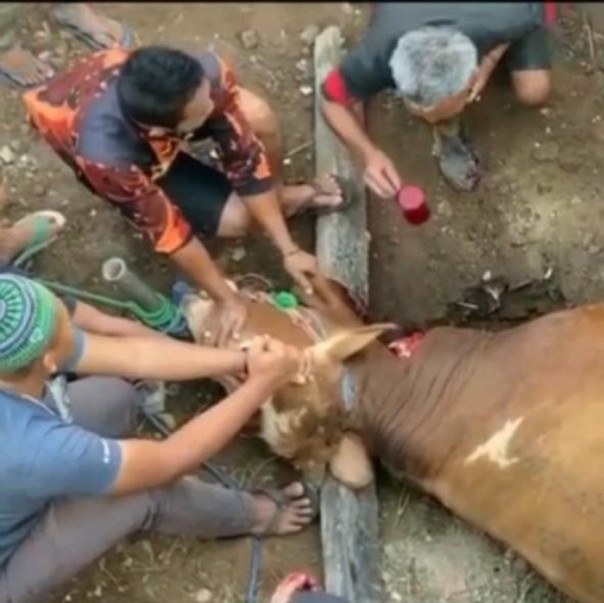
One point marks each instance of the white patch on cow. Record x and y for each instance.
(495, 449)
(276, 424)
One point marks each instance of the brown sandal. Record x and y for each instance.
(282, 502)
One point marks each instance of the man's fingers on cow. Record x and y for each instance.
(212, 335)
(287, 358)
(306, 366)
(224, 332)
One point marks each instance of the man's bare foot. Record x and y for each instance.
(23, 69)
(294, 512)
(97, 30)
(324, 192)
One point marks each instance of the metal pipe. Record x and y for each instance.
(115, 270)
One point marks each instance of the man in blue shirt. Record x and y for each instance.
(74, 481)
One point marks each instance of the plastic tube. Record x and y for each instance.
(115, 270)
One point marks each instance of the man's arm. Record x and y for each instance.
(266, 210)
(158, 358)
(485, 70)
(91, 320)
(495, 55)
(336, 106)
(337, 102)
(148, 463)
(71, 461)
(145, 205)
(195, 261)
(74, 462)
(246, 162)
(347, 127)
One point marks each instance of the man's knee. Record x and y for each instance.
(259, 113)
(108, 406)
(532, 88)
(125, 401)
(235, 220)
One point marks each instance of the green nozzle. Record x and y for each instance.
(285, 300)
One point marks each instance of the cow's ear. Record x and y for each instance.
(346, 343)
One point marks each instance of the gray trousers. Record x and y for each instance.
(73, 533)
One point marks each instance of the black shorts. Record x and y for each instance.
(200, 191)
(531, 53)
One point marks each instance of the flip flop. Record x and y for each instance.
(348, 198)
(47, 226)
(88, 36)
(282, 502)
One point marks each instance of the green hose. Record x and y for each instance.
(163, 319)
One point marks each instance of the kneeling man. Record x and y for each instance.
(438, 56)
(76, 480)
(124, 122)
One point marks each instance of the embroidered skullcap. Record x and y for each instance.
(28, 320)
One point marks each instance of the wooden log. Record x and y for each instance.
(349, 520)
(342, 239)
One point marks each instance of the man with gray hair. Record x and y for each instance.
(439, 56)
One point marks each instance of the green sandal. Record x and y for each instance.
(47, 226)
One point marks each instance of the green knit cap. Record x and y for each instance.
(28, 320)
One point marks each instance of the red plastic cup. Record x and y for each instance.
(413, 204)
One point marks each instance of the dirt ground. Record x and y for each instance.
(538, 207)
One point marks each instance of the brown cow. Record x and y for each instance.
(504, 429)
(304, 422)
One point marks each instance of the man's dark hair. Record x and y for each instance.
(156, 83)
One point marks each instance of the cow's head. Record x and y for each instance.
(306, 421)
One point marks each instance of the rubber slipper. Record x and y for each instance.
(348, 198)
(88, 37)
(282, 502)
(44, 223)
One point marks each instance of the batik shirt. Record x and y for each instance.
(79, 115)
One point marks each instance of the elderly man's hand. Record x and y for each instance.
(381, 175)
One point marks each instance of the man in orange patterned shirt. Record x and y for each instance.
(124, 122)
